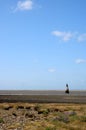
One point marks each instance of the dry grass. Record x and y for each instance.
(46, 116)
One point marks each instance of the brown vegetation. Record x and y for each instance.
(37, 116)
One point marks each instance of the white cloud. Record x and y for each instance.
(24, 5)
(51, 70)
(82, 37)
(65, 36)
(78, 61)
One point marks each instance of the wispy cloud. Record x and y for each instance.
(78, 61)
(24, 5)
(51, 70)
(65, 36)
(82, 37)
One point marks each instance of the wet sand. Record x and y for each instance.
(42, 96)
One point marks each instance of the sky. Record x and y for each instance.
(42, 44)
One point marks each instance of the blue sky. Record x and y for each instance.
(42, 44)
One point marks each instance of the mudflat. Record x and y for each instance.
(41, 92)
(49, 96)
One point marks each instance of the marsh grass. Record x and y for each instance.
(1, 120)
(53, 116)
(50, 128)
(83, 118)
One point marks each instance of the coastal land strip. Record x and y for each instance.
(43, 97)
